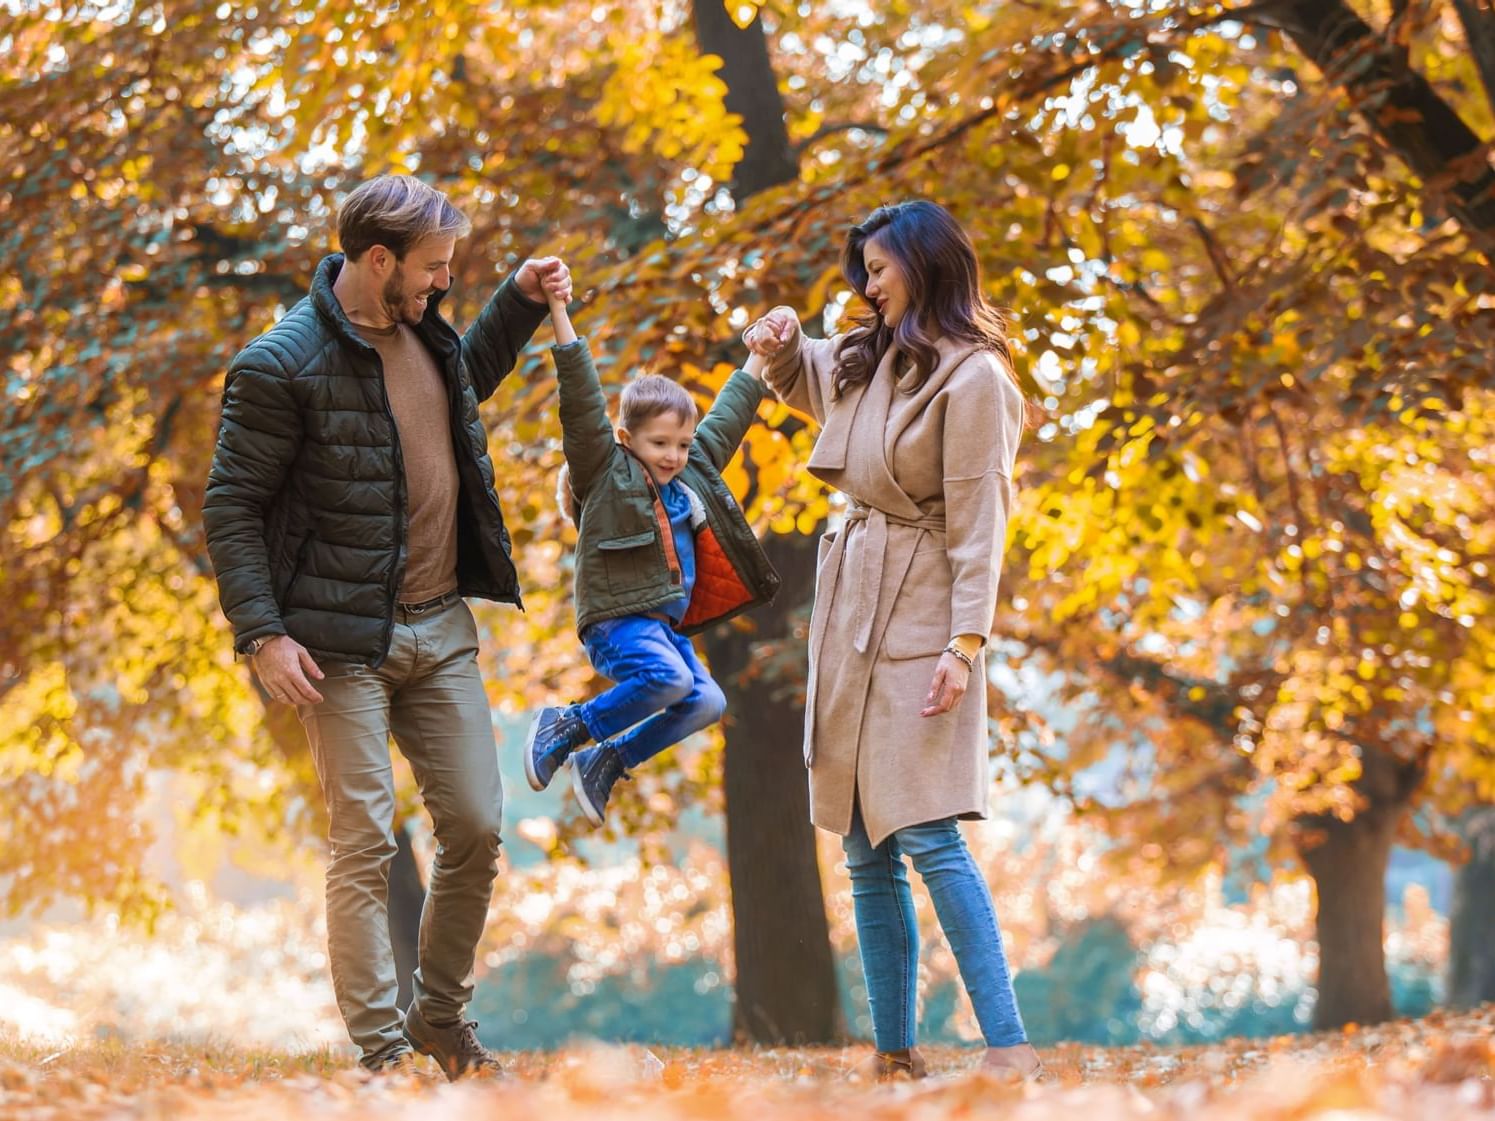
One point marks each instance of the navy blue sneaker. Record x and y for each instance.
(553, 735)
(594, 773)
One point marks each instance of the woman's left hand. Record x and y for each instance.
(951, 677)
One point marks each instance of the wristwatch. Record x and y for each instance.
(254, 645)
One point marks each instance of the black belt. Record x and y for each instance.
(430, 604)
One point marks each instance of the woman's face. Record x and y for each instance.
(886, 287)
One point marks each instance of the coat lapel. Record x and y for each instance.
(869, 451)
(952, 354)
(853, 453)
(848, 455)
(828, 457)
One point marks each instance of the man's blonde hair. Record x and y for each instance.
(397, 212)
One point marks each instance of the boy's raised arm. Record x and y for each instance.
(736, 407)
(586, 432)
(560, 320)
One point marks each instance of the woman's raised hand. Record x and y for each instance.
(767, 336)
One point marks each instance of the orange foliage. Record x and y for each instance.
(1439, 1069)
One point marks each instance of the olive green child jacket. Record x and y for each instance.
(625, 552)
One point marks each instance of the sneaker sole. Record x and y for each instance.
(529, 753)
(578, 787)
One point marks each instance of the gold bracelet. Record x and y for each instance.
(962, 655)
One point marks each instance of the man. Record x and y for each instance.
(349, 508)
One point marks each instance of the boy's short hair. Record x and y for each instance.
(650, 395)
(397, 212)
(644, 398)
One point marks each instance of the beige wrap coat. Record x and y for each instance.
(929, 478)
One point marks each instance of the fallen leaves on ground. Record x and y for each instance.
(1441, 1068)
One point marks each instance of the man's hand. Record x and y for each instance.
(285, 670)
(557, 286)
(544, 278)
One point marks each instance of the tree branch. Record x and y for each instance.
(1402, 108)
(1399, 35)
(1216, 254)
(1196, 698)
(831, 129)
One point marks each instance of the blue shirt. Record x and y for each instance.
(677, 506)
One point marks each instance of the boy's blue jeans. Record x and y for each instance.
(888, 932)
(663, 692)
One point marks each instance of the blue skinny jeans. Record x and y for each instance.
(663, 692)
(888, 932)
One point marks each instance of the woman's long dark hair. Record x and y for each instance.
(939, 268)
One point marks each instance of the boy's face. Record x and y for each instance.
(662, 442)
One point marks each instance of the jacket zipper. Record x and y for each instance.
(469, 461)
(661, 523)
(396, 570)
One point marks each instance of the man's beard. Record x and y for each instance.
(402, 308)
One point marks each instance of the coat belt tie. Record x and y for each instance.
(872, 556)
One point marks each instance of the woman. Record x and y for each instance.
(921, 417)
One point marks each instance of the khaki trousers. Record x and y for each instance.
(429, 696)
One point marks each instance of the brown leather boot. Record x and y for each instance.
(891, 1066)
(455, 1048)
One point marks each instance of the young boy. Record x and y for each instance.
(663, 551)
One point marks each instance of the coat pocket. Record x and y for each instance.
(919, 625)
(630, 562)
(297, 568)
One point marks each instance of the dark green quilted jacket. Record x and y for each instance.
(306, 509)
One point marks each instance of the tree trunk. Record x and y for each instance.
(1471, 955)
(1349, 873)
(1348, 861)
(753, 94)
(1400, 106)
(786, 978)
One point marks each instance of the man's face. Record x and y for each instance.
(663, 443)
(425, 271)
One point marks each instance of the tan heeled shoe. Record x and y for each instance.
(1019, 1063)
